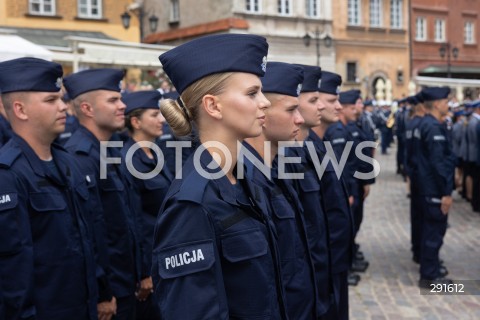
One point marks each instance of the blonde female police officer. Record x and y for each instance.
(214, 251)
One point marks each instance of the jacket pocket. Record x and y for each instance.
(244, 245)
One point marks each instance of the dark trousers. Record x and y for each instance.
(357, 208)
(147, 310)
(340, 291)
(416, 220)
(433, 230)
(125, 308)
(384, 137)
(476, 188)
(400, 152)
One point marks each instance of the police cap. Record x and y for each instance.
(330, 83)
(312, 76)
(435, 93)
(147, 99)
(283, 78)
(30, 74)
(93, 79)
(212, 54)
(349, 97)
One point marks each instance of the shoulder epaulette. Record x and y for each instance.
(8, 157)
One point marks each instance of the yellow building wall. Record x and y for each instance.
(378, 51)
(15, 13)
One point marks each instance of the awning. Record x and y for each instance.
(453, 69)
(86, 51)
(13, 46)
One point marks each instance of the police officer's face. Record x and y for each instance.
(442, 106)
(359, 106)
(150, 123)
(283, 120)
(108, 110)
(243, 105)
(310, 108)
(331, 107)
(349, 111)
(46, 112)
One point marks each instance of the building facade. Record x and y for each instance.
(82, 34)
(70, 15)
(285, 24)
(372, 46)
(445, 37)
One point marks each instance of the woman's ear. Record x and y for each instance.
(212, 106)
(135, 122)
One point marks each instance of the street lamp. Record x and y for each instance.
(327, 42)
(446, 49)
(138, 11)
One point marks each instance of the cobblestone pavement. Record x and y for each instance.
(389, 287)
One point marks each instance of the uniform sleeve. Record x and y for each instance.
(16, 249)
(103, 270)
(186, 269)
(440, 158)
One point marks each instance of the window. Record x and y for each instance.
(43, 7)
(420, 29)
(440, 30)
(376, 13)
(354, 7)
(174, 11)
(396, 14)
(90, 9)
(284, 7)
(351, 72)
(469, 32)
(312, 8)
(252, 5)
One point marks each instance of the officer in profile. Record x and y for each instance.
(472, 161)
(343, 132)
(140, 157)
(310, 191)
(435, 172)
(5, 128)
(100, 111)
(215, 254)
(47, 261)
(338, 211)
(281, 86)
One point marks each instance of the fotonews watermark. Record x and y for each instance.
(287, 159)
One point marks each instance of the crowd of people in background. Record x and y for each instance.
(88, 238)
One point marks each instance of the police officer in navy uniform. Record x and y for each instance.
(310, 191)
(410, 166)
(5, 128)
(435, 172)
(72, 123)
(343, 132)
(473, 146)
(338, 211)
(47, 261)
(215, 253)
(281, 86)
(400, 123)
(144, 162)
(97, 102)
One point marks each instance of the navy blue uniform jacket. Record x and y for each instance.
(151, 193)
(47, 261)
(215, 254)
(115, 222)
(286, 212)
(436, 161)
